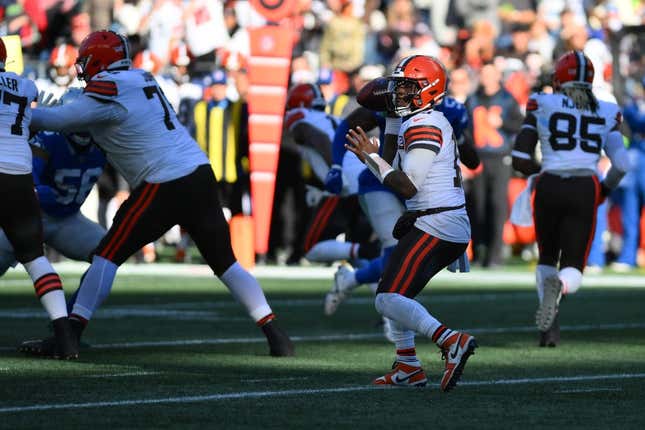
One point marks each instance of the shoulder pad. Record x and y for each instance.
(102, 88)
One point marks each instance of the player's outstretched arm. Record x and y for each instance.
(78, 116)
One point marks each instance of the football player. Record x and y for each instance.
(20, 214)
(381, 205)
(172, 182)
(62, 74)
(572, 127)
(435, 231)
(312, 129)
(65, 168)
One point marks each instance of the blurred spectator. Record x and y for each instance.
(343, 43)
(460, 84)
(541, 41)
(496, 118)
(129, 14)
(480, 48)
(468, 13)
(164, 26)
(100, 13)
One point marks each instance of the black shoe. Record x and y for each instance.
(63, 345)
(551, 337)
(279, 343)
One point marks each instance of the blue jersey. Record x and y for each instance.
(455, 113)
(64, 176)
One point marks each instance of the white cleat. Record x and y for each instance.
(548, 309)
(344, 281)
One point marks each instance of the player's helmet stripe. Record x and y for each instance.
(582, 67)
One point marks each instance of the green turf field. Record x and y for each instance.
(177, 352)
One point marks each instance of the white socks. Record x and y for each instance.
(571, 279)
(246, 290)
(48, 286)
(95, 287)
(332, 250)
(407, 313)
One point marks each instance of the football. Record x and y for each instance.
(373, 95)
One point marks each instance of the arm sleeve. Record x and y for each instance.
(81, 115)
(338, 145)
(616, 151)
(417, 165)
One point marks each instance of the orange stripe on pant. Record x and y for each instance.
(415, 266)
(128, 219)
(406, 262)
(320, 221)
(135, 218)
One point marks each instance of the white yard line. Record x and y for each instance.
(587, 390)
(127, 312)
(301, 392)
(343, 336)
(478, 276)
(120, 375)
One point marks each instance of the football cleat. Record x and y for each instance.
(63, 345)
(548, 309)
(455, 351)
(551, 337)
(344, 281)
(280, 344)
(403, 375)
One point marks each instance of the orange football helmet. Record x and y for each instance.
(418, 82)
(63, 55)
(573, 68)
(306, 96)
(102, 50)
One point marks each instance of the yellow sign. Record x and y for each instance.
(14, 53)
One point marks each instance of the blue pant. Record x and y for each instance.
(632, 189)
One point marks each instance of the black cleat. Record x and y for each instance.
(63, 345)
(279, 343)
(551, 337)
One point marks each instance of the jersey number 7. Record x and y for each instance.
(9, 98)
(152, 90)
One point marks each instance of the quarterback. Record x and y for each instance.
(434, 231)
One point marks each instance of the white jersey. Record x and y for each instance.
(571, 138)
(17, 94)
(442, 185)
(133, 123)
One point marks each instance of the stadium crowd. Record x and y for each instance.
(497, 52)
